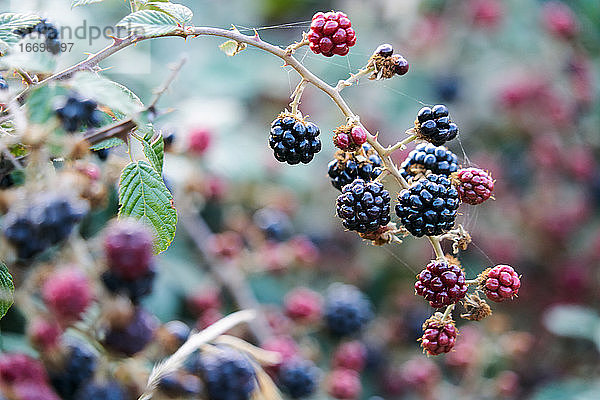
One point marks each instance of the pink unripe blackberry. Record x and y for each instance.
(67, 293)
(359, 136)
(199, 141)
(439, 335)
(331, 33)
(441, 283)
(344, 384)
(128, 248)
(17, 367)
(204, 299)
(350, 355)
(44, 334)
(303, 305)
(500, 283)
(474, 185)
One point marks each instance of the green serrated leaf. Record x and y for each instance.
(107, 144)
(106, 92)
(7, 289)
(143, 195)
(155, 151)
(76, 3)
(231, 47)
(180, 12)
(11, 21)
(149, 23)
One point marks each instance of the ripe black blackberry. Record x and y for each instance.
(46, 29)
(76, 113)
(78, 368)
(298, 378)
(227, 374)
(434, 125)
(363, 206)
(427, 157)
(293, 139)
(133, 337)
(348, 166)
(429, 206)
(48, 222)
(134, 289)
(347, 310)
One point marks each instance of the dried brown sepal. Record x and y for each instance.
(437, 320)
(482, 277)
(453, 260)
(476, 308)
(384, 235)
(383, 67)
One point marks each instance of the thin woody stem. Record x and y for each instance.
(400, 145)
(353, 78)
(297, 95)
(448, 312)
(437, 247)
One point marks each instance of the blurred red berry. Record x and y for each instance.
(204, 299)
(34, 391)
(344, 384)
(17, 367)
(227, 245)
(500, 283)
(128, 246)
(420, 374)
(284, 345)
(208, 318)
(199, 141)
(486, 13)
(350, 355)
(305, 251)
(44, 334)
(67, 293)
(560, 20)
(507, 385)
(331, 33)
(304, 305)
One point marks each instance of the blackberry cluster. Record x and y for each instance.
(3, 83)
(439, 335)
(46, 29)
(331, 33)
(427, 157)
(298, 378)
(429, 207)
(79, 367)
(294, 140)
(434, 125)
(227, 374)
(48, 222)
(76, 113)
(134, 289)
(110, 390)
(133, 337)
(363, 206)
(500, 283)
(347, 167)
(441, 283)
(347, 310)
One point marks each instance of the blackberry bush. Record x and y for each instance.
(349, 166)
(294, 140)
(363, 206)
(429, 206)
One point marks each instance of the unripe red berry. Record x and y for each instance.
(44, 334)
(474, 185)
(33, 391)
(560, 20)
(439, 335)
(350, 355)
(208, 318)
(441, 283)
(284, 345)
(67, 293)
(331, 33)
(303, 305)
(359, 136)
(486, 13)
(420, 374)
(17, 367)
(342, 141)
(344, 384)
(199, 141)
(204, 299)
(128, 248)
(500, 283)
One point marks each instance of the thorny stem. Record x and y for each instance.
(353, 78)
(160, 91)
(25, 76)
(297, 95)
(400, 145)
(448, 312)
(291, 49)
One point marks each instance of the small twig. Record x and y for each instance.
(25, 76)
(353, 78)
(437, 247)
(297, 95)
(291, 49)
(165, 86)
(472, 282)
(400, 145)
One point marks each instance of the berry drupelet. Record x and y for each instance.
(348, 166)
(441, 283)
(429, 207)
(227, 374)
(439, 335)
(474, 185)
(298, 378)
(500, 283)
(347, 310)
(434, 125)
(331, 33)
(76, 113)
(293, 139)
(363, 206)
(427, 157)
